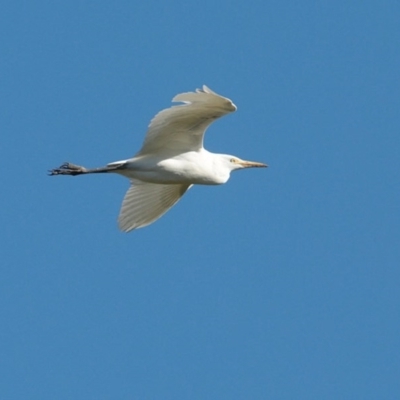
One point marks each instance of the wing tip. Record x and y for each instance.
(191, 97)
(206, 89)
(126, 228)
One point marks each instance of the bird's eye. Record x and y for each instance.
(233, 160)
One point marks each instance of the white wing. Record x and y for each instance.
(145, 202)
(181, 128)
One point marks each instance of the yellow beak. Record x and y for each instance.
(251, 164)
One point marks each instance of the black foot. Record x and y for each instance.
(67, 169)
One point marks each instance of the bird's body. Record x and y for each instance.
(171, 159)
(194, 167)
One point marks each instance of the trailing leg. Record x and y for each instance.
(72, 169)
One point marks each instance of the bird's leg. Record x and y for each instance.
(72, 169)
(68, 169)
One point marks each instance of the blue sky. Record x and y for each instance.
(281, 284)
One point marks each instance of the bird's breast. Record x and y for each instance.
(188, 168)
(189, 171)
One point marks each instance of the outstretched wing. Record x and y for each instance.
(181, 128)
(145, 202)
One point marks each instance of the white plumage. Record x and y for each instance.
(146, 202)
(171, 159)
(181, 128)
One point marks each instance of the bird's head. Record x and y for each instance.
(224, 164)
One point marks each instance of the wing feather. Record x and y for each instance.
(181, 128)
(145, 202)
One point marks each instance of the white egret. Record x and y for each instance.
(171, 159)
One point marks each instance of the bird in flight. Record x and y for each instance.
(171, 160)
